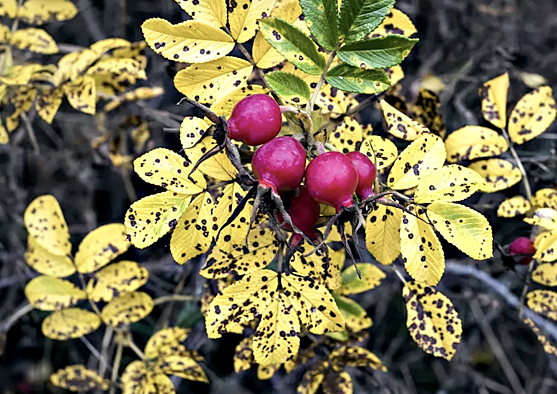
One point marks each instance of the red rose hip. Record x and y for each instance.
(304, 212)
(366, 174)
(280, 164)
(255, 120)
(522, 246)
(332, 179)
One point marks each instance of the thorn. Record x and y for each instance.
(206, 111)
(206, 156)
(238, 209)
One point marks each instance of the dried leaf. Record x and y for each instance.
(81, 94)
(543, 302)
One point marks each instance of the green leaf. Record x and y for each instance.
(321, 19)
(358, 18)
(356, 80)
(288, 86)
(381, 52)
(293, 44)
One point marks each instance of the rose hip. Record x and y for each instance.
(366, 173)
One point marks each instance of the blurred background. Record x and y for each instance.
(462, 42)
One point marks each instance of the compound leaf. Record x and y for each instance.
(116, 279)
(546, 245)
(546, 218)
(186, 42)
(474, 142)
(381, 151)
(447, 184)
(212, 12)
(514, 206)
(353, 79)
(48, 293)
(79, 378)
(383, 233)
(547, 346)
(243, 16)
(321, 19)
(499, 174)
(432, 320)
(494, 100)
(289, 86)
(380, 52)
(463, 227)
(243, 355)
(532, 115)
(127, 309)
(355, 316)
(355, 356)
(70, 323)
(100, 247)
(400, 125)
(138, 378)
(358, 18)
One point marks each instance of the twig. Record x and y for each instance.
(31, 132)
(398, 273)
(92, 349)
(131, 344)
(22, 311)
(174, 298)
(116, 367)
(107, 338)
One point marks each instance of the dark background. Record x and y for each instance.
(463, 42)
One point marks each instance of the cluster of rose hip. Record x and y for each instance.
(279, 164)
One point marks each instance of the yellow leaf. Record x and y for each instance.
(347, 135)
(268, 371)
(207, 82)
(545, 274)
(499, 174)
(494, 100)
(79, 378)
(546, 218)
(116, 279)
(100, 247)
(180, 365)
(243, 16)
(5, 31)
(82, 95)
(532, 115)
(48, 293)
(70, 323)
(311, 381)
(219, 166)
(46, 263)
(432, 320)
(543, 302)
(37, 12)
(45, 223)
(225, 104)
(383, 233)
(447, 184)
(432, 83)
(165, 341)
(276, 337)
(355, 316)
(463, 227)
(547, 346)
(352, 284)
(396, 74)
(416, 162)
(22, 101)
(514, 206)
(143, 93)
(545, 198)
(243, 355)
(186, 42)
(138, 378)
(426, 112)
(397, 22)
(474, 142)
(109, 44)
(191, 131)
(194, 231)
(19, 75)
(337, 383)
(532, 80)
(165, 168)
(212, 12)
(546, 245)
(48, 102)
(35, 40)
(4, 138)
(422, 252)
(355, 356)
(127, 309)
(325, 267)
(234, 235)
(118, 67)
(8, 7)
(381, 151)
(400, 125)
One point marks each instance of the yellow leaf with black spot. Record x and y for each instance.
(494, 100)
(337, 383)
(416, 162)
(383, 233)
(545, 198)
(109, 44)
(355, 356)
(45, 223)
(432, 320)
(70, 323)
(463, 227)
(100, 247)
(9, 8)
(165, 168)
(139, 378)
(334, 101)
(347, 135)
(546, 218)
(207, 82)
(5, 32)
(548, 347)
(4, 138)
(233, 236)
(46, 263)
(38, 12)
(447, 184)
(474, 142)
(116, 279)
(543, 302)
(371, 277)
(142, 93)
(186, 42)
(243, 355)
(532, 115)
(212, 12)
(400, 125)
(266, 372)
(180, 365)
(311, 380)
(166, 341)
(381, 151)
(243, 16)
(150, 218)
(397, 22)
(194, 232)
(355, 316)
(421, 250)
(513, 206)
(396, 74)
(219, 166)
(49, 293)
(325, 266)
(127, 309)
(22, 101)
(546, 246)
(48, 102)
(118, 67)
(224, 105)
(81, 94)
(79, 378)
(34, 40)
(545, 274)
(426, 112)
(499, 174)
